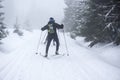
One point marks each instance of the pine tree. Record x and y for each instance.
(101, 24)
(73, 16)
(96, 20)
(94, 28)
(17, 28)
(69, 19)
(27, 26)
(113, 21)
(2, 26)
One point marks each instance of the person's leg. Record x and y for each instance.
(48, 44)
(57, 44)
(53, 42)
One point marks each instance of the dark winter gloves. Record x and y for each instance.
(62, 26)
(42, 29)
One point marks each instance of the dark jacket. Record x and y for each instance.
(54, 27)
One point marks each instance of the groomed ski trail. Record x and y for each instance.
(82, 64)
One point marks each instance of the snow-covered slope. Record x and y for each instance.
(18, 60)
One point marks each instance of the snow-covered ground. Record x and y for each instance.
(18, 60)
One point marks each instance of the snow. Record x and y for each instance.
(18, 60)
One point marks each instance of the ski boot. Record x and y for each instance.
(46, 55)
(56, 53)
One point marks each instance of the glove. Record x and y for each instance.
(62, 25)
(42, 29)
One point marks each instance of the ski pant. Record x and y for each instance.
(50, 38)
(47, 40)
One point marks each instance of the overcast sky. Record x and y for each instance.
(36, 12)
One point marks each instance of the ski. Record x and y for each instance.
(56, 56)
(52, 56)
(44, 56)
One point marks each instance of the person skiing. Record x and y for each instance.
(52, 26)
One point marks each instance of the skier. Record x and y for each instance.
(52, 26)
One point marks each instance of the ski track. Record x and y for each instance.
(24, 64)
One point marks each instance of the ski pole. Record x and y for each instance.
(65, 43)
(44, 38)
(59, 36)
(39, 42)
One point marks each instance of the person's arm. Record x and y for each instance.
(44, 28)
(59, 26)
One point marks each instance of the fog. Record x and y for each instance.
(36, 12)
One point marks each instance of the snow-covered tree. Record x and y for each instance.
(73, 15)
(101, 21)
(3, 33)
(96, 20)
(27, 26)
(69, 19)
(112, 19)
(17, 28)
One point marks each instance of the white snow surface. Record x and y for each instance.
(18, 60)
